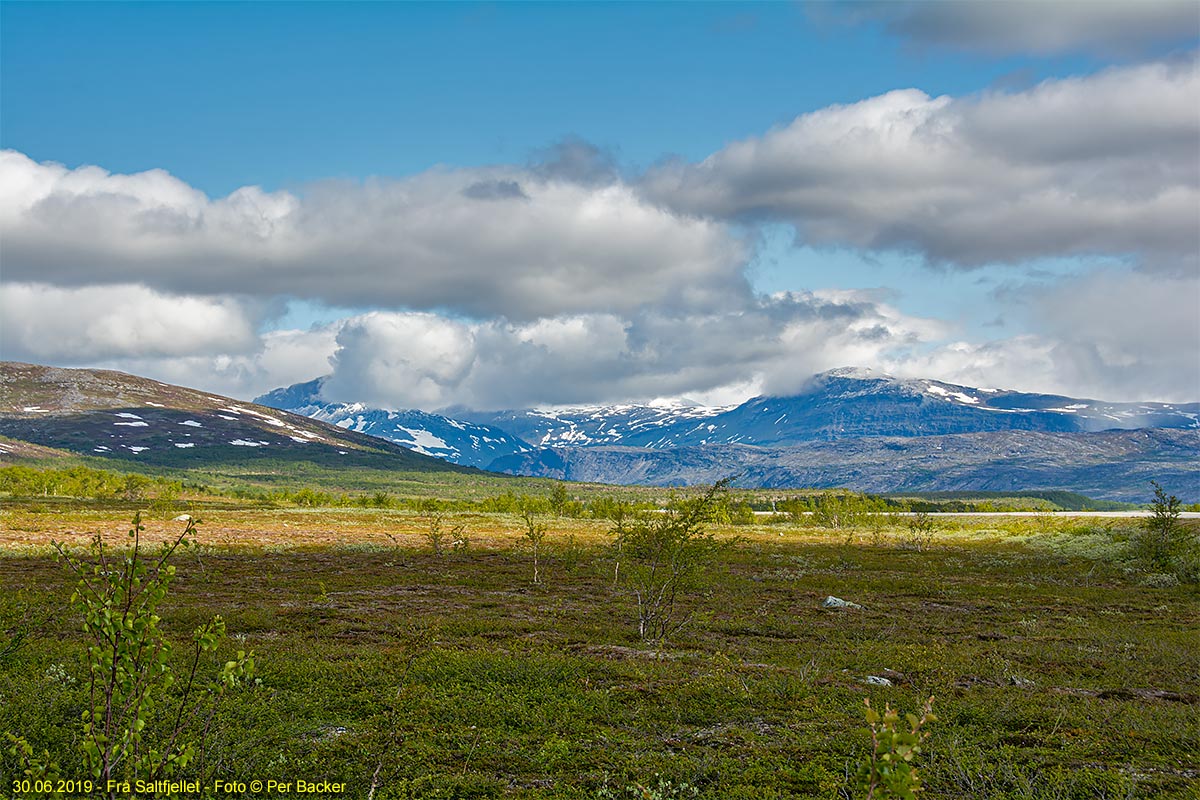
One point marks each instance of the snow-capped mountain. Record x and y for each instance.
(454, 440)
(840, 404)
(655, 424)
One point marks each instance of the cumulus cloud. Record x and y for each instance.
(40, 322)
(512, 242)
(1104, 164)
(1109, 335)
(1031, 26)
(407, 359)
(210, 343)
(1123, 336)
(564, 282)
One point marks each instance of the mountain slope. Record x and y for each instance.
(429, 434)
(109, 414)
(839, 404)
(1112, 465)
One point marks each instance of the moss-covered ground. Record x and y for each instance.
(1057, 671)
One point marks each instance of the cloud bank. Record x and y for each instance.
(1101, 165)
(1030, 26)
(563, 281)
(485, 242)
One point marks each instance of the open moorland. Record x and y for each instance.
(411, 655)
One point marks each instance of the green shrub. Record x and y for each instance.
(129, 668)
(1164, 544)
(665, 554)
(889, 773)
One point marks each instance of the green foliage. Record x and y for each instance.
(440, 540)
(534, 533)
(129, 659)
(727, 511)
(21, 622)
(1163, 542)
(665, 556)
(920, 530)
(888, 773)
(34, 767)
(448, 683)
(659, 789)
(609, 508)
(846, 510)
(84, 482)
(559, 499)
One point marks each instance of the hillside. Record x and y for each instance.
(1111, 465)
(838, 404)
(454, 440)
(47, 411)
(848, 427)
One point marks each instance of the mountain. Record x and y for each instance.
(839, 404)
(847, 427)
(1111, 465)
(656, 424)
(454, 440)
(112, 415)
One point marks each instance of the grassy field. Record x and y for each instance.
(1057, 670)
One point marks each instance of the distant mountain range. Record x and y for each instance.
(454, 440)
(848, 427)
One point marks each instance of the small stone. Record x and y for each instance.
(837, 602)
(875, 680)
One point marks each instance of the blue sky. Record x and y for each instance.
(328, 100)
(278, 94)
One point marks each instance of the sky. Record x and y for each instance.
(506, 205)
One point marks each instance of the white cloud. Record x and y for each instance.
(209, 343)
(1033, 26)
(519, 243)
(1110, 335)
(402, 360)
(1100, 165)
(562, 283)
(40, 322)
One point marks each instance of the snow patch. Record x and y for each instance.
(423, 441)
(186, 444)
(127, 416)
(247, 443)
(138, 424)
(191, 423)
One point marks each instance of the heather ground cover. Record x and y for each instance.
(1057, 668)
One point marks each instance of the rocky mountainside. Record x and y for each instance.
(454, 440)
(848, 427)
(839, 404)
(113, 415)
(1111, 465)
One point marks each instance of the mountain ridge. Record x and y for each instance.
(114, 415)
(840, 403)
